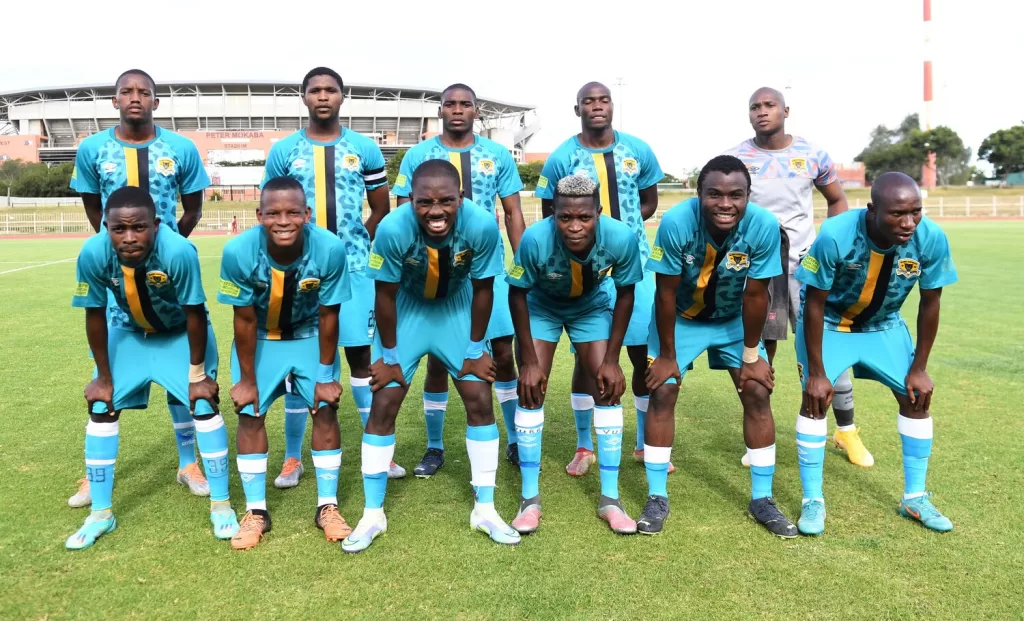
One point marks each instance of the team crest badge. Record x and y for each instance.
(157, 279)
(487, 167)
(605, 272)
(462, 258)
(908, 268)
(630, 167)
(800, 371)
(737, 261)
(650, 361)
(350, 162)
(798, 165)
(165, 166)
(309, 284)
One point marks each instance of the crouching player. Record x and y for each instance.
(153, 275)
(434, 263)
(560, 281)
(856, 277)
(713, 256)
(286, 280)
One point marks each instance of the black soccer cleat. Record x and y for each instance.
(432, 461)
(765, 512)
(512, 454)
(654, 515)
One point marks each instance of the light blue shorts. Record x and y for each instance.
(296, 360)
(723, 340)
(884, 356)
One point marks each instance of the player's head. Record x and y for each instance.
(283, 211)
(768, 111)
(723, 188)
(895, 208)
(131, 223)
(577, 210)
(135, 97)
(594, 106)
(436, 197)
(458, 109)
(323, 93)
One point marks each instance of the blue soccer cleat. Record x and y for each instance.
(225, 522)
(94, 528)
(922, 510)
(812, 518)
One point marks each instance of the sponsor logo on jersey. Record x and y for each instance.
(555, 275)
(542, 182)
(689, 259)
(82, 290)
(309, 284)
(517, 271)
(109, 167)
(116, 282)
(487, 167)
(657, 253)
(350, 162)
(853, 266)
(737, 261)
(908, 268)
(810, 264)
(165, 166)
(299, 163)
(157, 278)
(376, 261)
(798, 165)
(400, 180)
(412, 261)
(229, 288)
(630, 167)
(753, 169)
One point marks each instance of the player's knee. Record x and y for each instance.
(479, 409)
(247, 423)
(663, 399)
(755, 396)
(358, 359)
(501, 350)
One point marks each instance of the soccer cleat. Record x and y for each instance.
(528, 519)
(812, 518)
(255, 524)
(765, 512)
(329, 520)
(291, 472)
(610, 510)
(432, 461)
(638, 457)
(94, 528)
(654, 515)
(488, 521)
(856, 452)
(368, 529)
(224, 520)
(82, 498)
(922, 510)
(581, 462)
(745, 460)
(192, 477)
(512, 454)
(395, 471)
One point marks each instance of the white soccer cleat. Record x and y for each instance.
(82, 498)
(290, 474)
(370, 526)
(395, 471)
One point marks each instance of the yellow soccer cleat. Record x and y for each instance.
(856, 452)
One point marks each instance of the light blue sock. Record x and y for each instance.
(810, 449)
(641, 419)
(762, 471)
(508, 400)
(101, 442)
(529, 429)
(362, 395)
(916, 437)
(583, 412)
(608, 425)
(482, 448)
(252, 469)
(327, 464)
(378, 451)
(434, 406)
(656, 459)
(184, 434)
(212, 438)
(296, 415)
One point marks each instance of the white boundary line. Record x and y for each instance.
(18, 269)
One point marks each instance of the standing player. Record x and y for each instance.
(487, 171)
(336, 167)
(140, 154)
(152, 274)
(557, 281)
(285, 279)
(627, 174)
(785, 170)
(434, 262)
(714, 255)
(856, 277)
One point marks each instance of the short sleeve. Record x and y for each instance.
(667, 252)
(818, 267)
(91, 290)
(628, 268)
(937, 269)
(235, 276)
(766, 257)
(509, 181)
(275, 166)
(487, 260)
(84, 178)
(650, 169)
(827, 174)
(374, 175)
(387, 251)
(403, 182)
(335, 287)
(523, 273)
(184, 273)
(192, 177)
(554, 169)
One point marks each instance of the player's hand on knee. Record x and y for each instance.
(482, 367)
(327, 392)
(660, 371)
(205, 389)
(611, 382)
(920, 383)
(245, 393)
(759, 371)
(819, 394)
(100, 390)
(382, 374)
(533, 384)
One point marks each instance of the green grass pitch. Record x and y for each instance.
(711, 562)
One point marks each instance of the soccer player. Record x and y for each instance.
(152, 274)
(285, 279)
(785, 170)
(558, 280)
(856, 277)
(714, 255)
(487, 170)
(433, 262)
(140, 154)
(336, 167)
(627, 174)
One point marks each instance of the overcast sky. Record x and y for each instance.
(688, 69)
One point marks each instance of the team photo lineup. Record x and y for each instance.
(322, 296)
